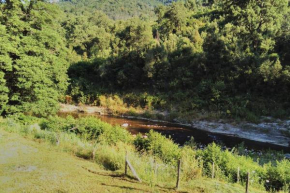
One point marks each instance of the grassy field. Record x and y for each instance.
(28, 165)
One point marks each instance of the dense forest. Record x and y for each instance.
(222, 56)
(228, 57)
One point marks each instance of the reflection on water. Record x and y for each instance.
(179, 133)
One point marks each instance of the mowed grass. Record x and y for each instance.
(33, 166)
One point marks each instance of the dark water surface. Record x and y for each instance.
(180, 133)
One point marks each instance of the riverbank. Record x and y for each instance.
(30, 165)
(34, 156)
(269, 130)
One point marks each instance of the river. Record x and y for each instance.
(181, 133)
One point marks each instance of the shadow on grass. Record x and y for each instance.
(129, 179)
(114, 175)
(123, 187)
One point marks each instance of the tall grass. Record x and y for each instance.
(154, 158)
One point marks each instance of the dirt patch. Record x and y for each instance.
(25, 168)
(66, 108)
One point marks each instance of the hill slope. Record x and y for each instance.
(32, 166)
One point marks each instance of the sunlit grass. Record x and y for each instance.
(37, 165)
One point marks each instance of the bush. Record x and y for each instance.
(89, 128)
(85, 152)
(115, 134)
(191, 167)
(114, 103)
(55, 123)
(227, 164)
(111, 157)
(278, 177)
(159, 145)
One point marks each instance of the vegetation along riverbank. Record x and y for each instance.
(269, 130)
(106, 145)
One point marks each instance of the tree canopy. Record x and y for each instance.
(33, 57)
(216, 53)
(226, 56)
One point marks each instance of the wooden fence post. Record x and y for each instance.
(238, 175)
(212, 174)
(126, 165)
(57, 139)
(248, 182)
(178, 173)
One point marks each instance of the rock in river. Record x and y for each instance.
(125, 125)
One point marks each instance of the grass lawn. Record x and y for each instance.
(28, 165)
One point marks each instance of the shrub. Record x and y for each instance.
(85, 152)
(55, 123)
(88, 128)
(111, 157)
(91, 127)
(191, 167)
(227, 165)
(115, 134)
(159, 145)
(278, 177)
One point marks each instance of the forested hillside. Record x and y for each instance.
(225, 60)
(228, 57)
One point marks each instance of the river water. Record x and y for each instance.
(180, 133)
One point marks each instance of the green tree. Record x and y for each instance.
(258, 21)
(5, 66)
(34, 61)
(174, 19)
(89, 34)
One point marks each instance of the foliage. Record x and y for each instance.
(230, 58)
(33, 57)
(194, 56)
(88, 128)
(159, 145)
(279, 177)
(159, 154)
(208, 54)
(227, 165)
